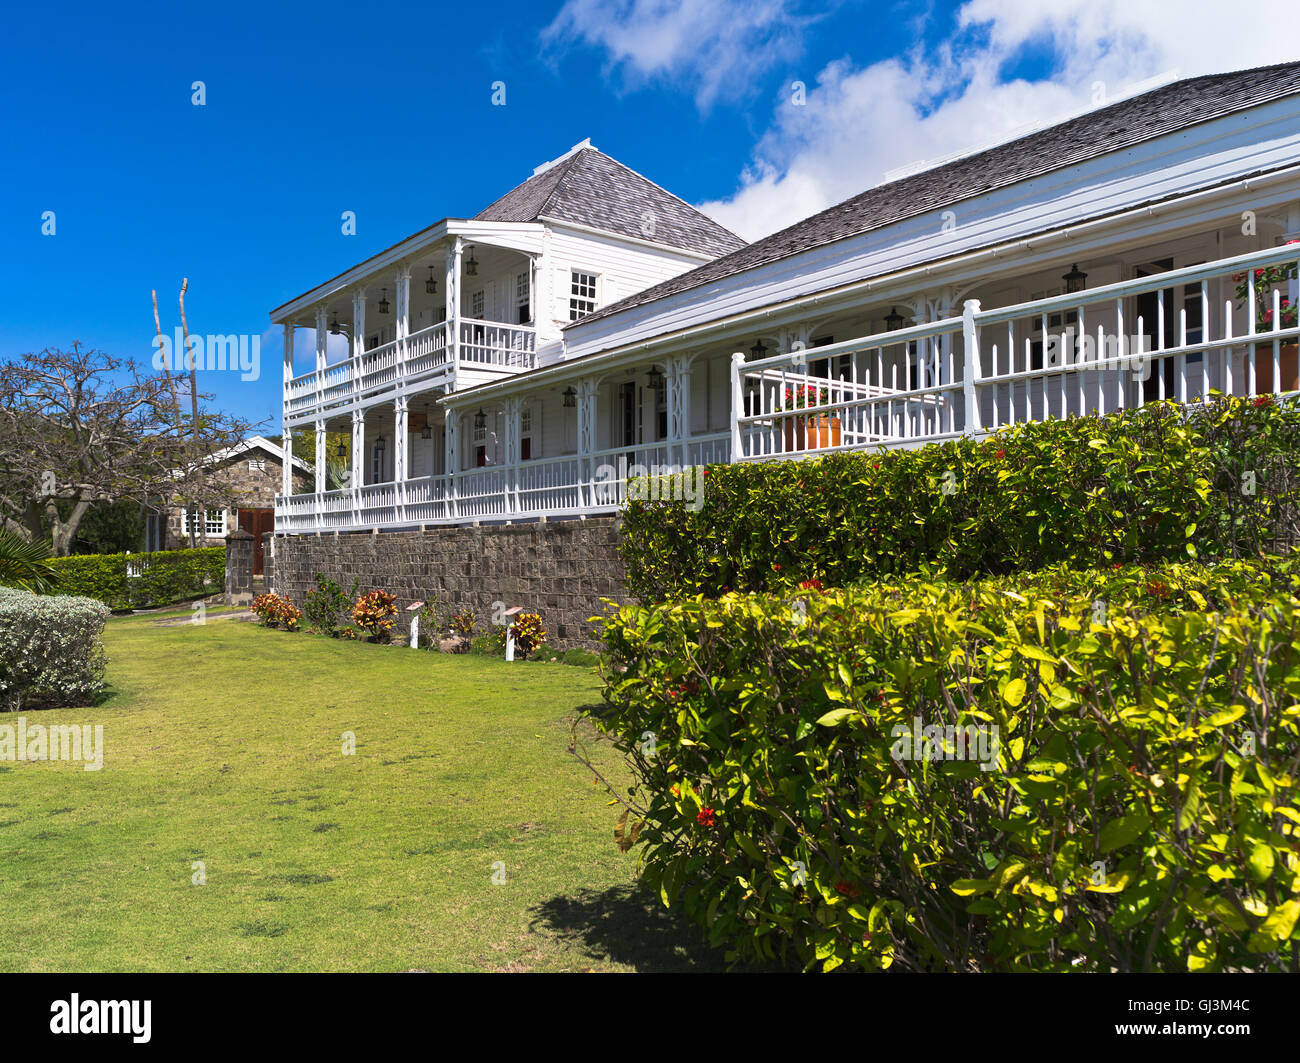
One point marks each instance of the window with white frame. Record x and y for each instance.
(476, 305)
(214, 523)
(526, 434)
(523, 297)
(582, 294)
(256, 464)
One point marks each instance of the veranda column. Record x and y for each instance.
(679, 408)
(400, 446)
(737, 405)
(321, 458)
(322, 337)
(450, 447)
(513, 409)
(453, 312)
(356, 479)
(358, 336)
(402, 297)
(286, 485)
(588, 389)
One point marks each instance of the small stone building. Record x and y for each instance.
(252, 470)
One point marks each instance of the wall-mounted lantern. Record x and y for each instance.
(570, 398)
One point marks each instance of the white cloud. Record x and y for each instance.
(716, 46)
(861, 122)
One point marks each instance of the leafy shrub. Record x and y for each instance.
(139, 581)
(325, 605)
(1142, 811)
(273, 611)
(375, 613)
(50, 649)
(1156, 483)
(462, 623)
(529, 633)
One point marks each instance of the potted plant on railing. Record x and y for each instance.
(1265, 281)
(812, 431)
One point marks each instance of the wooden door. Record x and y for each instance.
(256, 522)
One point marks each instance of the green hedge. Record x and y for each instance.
(1141, 811)
(1157, 483)
(50, 649)
(161, 578)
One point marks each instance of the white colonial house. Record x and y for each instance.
(500, 366)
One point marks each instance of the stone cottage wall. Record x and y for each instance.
(560, 569)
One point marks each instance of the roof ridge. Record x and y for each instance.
(673, 195)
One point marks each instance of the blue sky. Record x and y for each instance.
(386, 110)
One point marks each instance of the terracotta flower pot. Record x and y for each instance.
(811, 433)
(1290, 365)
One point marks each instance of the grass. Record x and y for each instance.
(224, 746)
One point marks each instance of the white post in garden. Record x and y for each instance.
(737, 404)
(286, 485)
(971, 371)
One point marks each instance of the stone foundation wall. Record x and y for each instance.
(560, 569)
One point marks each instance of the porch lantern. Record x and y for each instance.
(431, 285)
(1076, 280)
(480, 420)
(570, 398)
(471, 265)
(893, 320)
(758, 350)
(427, 431)
(655, 378)
(341, 451)
(383, 302)
(335, 328)
(379, 445)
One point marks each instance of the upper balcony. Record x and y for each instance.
(452, 308)
(424, 358)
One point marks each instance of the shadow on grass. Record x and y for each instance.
(627, 925)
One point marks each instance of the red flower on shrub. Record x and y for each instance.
(1000, 454)
(810, 585)
(847, 889)
(776, 567)
(1264, 400)
(706, 818)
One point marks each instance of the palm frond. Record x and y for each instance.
(26, 565)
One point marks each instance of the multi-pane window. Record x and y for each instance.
(476, 305)
(214, 523)
(256, 464)
(582, 294)
(523, 298)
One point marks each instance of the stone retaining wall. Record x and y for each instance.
(560, 569)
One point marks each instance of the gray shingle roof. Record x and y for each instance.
(1121, 125)
(589, 188)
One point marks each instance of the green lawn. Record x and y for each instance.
(224, 745)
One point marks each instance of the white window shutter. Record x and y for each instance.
(563, 282)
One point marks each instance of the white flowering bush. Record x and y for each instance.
(50, 649)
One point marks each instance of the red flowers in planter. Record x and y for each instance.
(706, 817)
